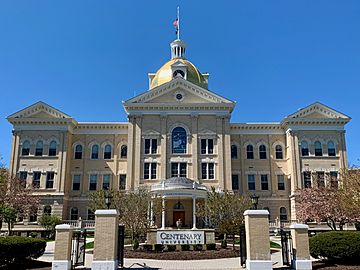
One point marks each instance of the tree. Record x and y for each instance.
(323, 203)
(16, 200)
(133, 208)
(350, 192)
(49, 222)
(225, 211)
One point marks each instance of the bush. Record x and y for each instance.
(211, 246)
(171, 247)
(336, 245)
(159, 247)
(135, 244)
(15, 249)
(147, 247)
(197, 247)
(223, 243)
(185, 247)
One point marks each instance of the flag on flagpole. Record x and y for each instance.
(176, 25)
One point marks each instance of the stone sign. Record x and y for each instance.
(180, 237)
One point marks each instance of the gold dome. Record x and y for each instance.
(164, 74)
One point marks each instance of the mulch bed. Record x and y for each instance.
(182, 255)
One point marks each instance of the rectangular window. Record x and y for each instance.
(178, 169)
(207, 171)
(150, 146)
(207, 146)
(106, 181)
(281, 182)
(321, 179)
(307, 179)
(93, 181)
(76, 182)
(334, 180)
(50, 179)
(122, 181)
(264, 182)
(22, 178)
(251, 182)
(36, 179)
(235, 182)
(149, 170)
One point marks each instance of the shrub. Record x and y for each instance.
(15, 249)
(197, 247)
(223, 243)
(171, 247)
(185, 247)
(211, 246)
(147, 247)
(159, 247)
(336, 245)
(135, 244)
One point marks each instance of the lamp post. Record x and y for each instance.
(108, 199)
(254, 200)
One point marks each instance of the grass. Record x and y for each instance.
(89, 245)
(274, 245)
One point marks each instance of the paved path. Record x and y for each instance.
(223, 264)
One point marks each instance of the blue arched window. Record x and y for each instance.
(178, 140)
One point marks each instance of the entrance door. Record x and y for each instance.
(178, 215)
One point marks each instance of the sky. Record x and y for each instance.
(85, 57)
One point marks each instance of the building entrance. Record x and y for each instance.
(178, 215)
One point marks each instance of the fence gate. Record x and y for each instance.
(78, 248)
(286, 247)
(121, 237)
(242, 245)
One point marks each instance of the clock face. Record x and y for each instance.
(179, 96)
(176, 72)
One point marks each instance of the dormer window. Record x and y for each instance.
(179, 72)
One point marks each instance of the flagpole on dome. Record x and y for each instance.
(178, 26)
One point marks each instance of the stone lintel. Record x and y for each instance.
(106, 212)
(256, 213)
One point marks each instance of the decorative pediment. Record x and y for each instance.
(318, 111)
(177, 93)
(39, 110)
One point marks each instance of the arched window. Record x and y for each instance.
(283, 214)
(234, 152)
(304, 149)
(78, 151)
(262, 151)
(123, 151)
(74, 213)
(95, 151)
(39, 148)
(52, 148)
(250, 152)
(47, 210)
(178, 140)
(318, 149)
(331, 149)
(90, 214)
(179, 206)
(25, 150)
(279, 152)
(107, 151)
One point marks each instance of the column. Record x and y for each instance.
(130, 153)
(300, 238)
(63, 241)
(151, 214)
(227, 154)
(163, 147)
(257, 240)
(194, 212)
(163, 214)
(194, 147)
(220, 165)
(137, 156)
(106, 240)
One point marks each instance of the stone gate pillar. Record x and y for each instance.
(300, 238)
(257, 240)
(106, 240)
(63, 241)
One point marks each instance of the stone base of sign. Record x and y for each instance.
(303, 264)
(61, 265)
(104, 265)
(258, 265)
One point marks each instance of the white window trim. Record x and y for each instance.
(207, 171)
